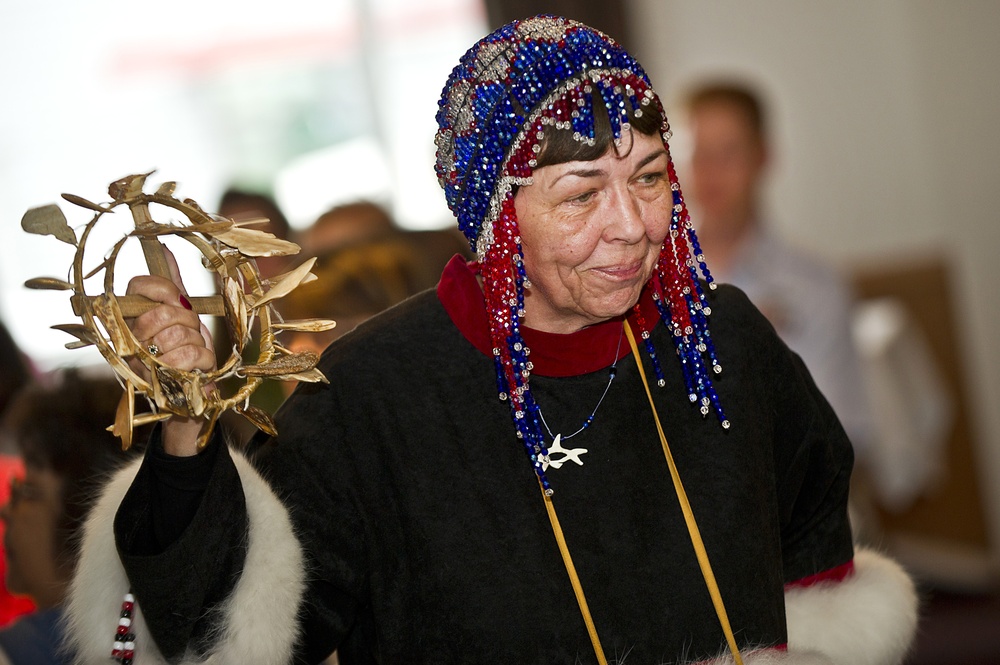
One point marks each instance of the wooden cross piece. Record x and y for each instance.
(156, 261)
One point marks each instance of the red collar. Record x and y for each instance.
(552, 354)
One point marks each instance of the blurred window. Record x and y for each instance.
(318, 103)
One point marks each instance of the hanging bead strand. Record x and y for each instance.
(123, 649)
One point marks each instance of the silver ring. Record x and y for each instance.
(153, 349)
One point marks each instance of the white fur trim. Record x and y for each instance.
(260, 617)
(773, 657)
(870, 618)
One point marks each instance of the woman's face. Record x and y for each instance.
(32, 517)
(591, 234)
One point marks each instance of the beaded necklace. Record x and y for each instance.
(612, 372)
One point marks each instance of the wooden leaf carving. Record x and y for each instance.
(280, 349)
(121, 368)
(48, 220)
(211, 228)
(306, 325)
(293, 364)
(124, 416)
(232, 294)
(109, 259)
(86, 336)
(84, 203)
(271, 281)
(157, 229)
(167, 188)
(254, 221)
(168, 390)
(260, 418)
(103, 265)
(150, 417)
(49, 284)
(205, 435)
(310, 376)
(194, 394)
(257, 243)
(128, 187)
(285, 285)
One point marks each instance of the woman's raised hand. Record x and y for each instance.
(174, 333)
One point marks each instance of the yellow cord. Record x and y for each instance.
(699, 546)
(692, 527)
(573, 578)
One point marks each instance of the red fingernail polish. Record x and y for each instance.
(185, 302)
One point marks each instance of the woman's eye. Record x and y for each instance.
(582, 198)
(650, 178)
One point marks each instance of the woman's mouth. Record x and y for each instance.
(622, 272)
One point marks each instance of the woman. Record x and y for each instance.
(60, 432)
(484, 479)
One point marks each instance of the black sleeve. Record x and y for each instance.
(314, 473)
(181, 536)
(181, 532)
(815, 461)
(813, 457)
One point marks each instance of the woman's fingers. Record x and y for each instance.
(175, 272)
(171, 329)
(181, 347)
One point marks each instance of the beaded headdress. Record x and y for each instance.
(507, 90)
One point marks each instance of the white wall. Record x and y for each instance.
(885, 114)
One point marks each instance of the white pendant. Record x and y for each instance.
(568, 454)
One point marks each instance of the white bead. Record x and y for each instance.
(129, 598)
(118, 646)
(125, 621)
(129, 646)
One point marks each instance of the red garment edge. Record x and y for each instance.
(552, 354)
(835, 574)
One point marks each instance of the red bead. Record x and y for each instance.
(122, 631)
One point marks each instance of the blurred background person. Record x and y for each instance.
(362, 221)
(346, 224)
(59, 431)
(15, 373)
(354, 283)
(807, 301)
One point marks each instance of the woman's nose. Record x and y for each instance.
(626, 222)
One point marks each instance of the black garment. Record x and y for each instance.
(427, 534)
